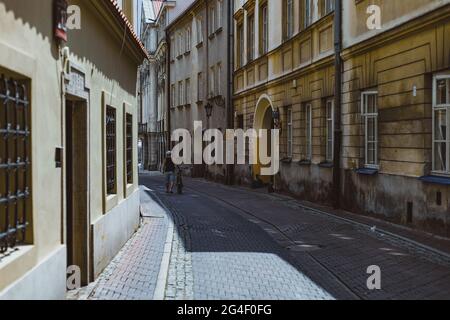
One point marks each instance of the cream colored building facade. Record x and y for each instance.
(391, 163)
(83, 202)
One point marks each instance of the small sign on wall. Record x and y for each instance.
(60, 20)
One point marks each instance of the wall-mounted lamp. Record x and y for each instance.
(209, 109)
(276, 118)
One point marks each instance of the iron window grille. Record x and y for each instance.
(129, 147)
(15, 209)
(111, 144)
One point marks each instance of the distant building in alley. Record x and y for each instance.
(199, 63)
(69, 194)
(154, 125)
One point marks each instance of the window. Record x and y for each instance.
(240, 121)
(441, 121)
(199, 31)
(187, 98)
(330, 130)
(15, 166)
(240, 45)
(309, 11)
(288, 13)
(289, 133)
(328, 6)
(181, 46)
(173, 96)
(308, 127)
(219, 13)
(111, 152)
(250, 37)
(129, 147)
(199, 87)
(172, 48)
(264, 29)
(217, 78)
(212, 82)
(188, 39)
(370, 115)
(180, 93)
(212, 20)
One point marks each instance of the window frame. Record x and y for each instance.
(308, 131)
(264, 28)
(212, 20)
(16, 224)
(200, 87)
(128, 137)
(289, 133)
(288, 19)
(187, 92)
(114, 193)
(436, 107)
(212, 82)
(308, 13)
(251, 37)
(199, 30)
(327, 7)
(329, 117)
(219, 19)
(366, 115)
(173, 95)
(217, 79)
(180, 93)
(188, 39)
(240, 44)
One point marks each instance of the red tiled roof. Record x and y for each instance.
(119, 13)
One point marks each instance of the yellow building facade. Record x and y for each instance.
(285, 68)
(75, 194)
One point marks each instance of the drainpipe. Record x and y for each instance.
(168, 92)
(208, 119)
(337, 107)
(230, 82)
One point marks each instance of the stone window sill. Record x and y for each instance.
(367, 171)
(436, 180)
(326, 164)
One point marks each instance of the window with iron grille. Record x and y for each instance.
(129, 146)
(111, 153)
(15, 166)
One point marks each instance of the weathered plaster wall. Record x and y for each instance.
(27, 49)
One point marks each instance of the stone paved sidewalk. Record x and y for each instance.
(133, 273)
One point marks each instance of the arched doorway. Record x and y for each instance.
(263, 119)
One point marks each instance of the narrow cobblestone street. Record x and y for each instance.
(235, 243)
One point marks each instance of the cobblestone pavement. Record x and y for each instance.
(234, 243)
(133, 273)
